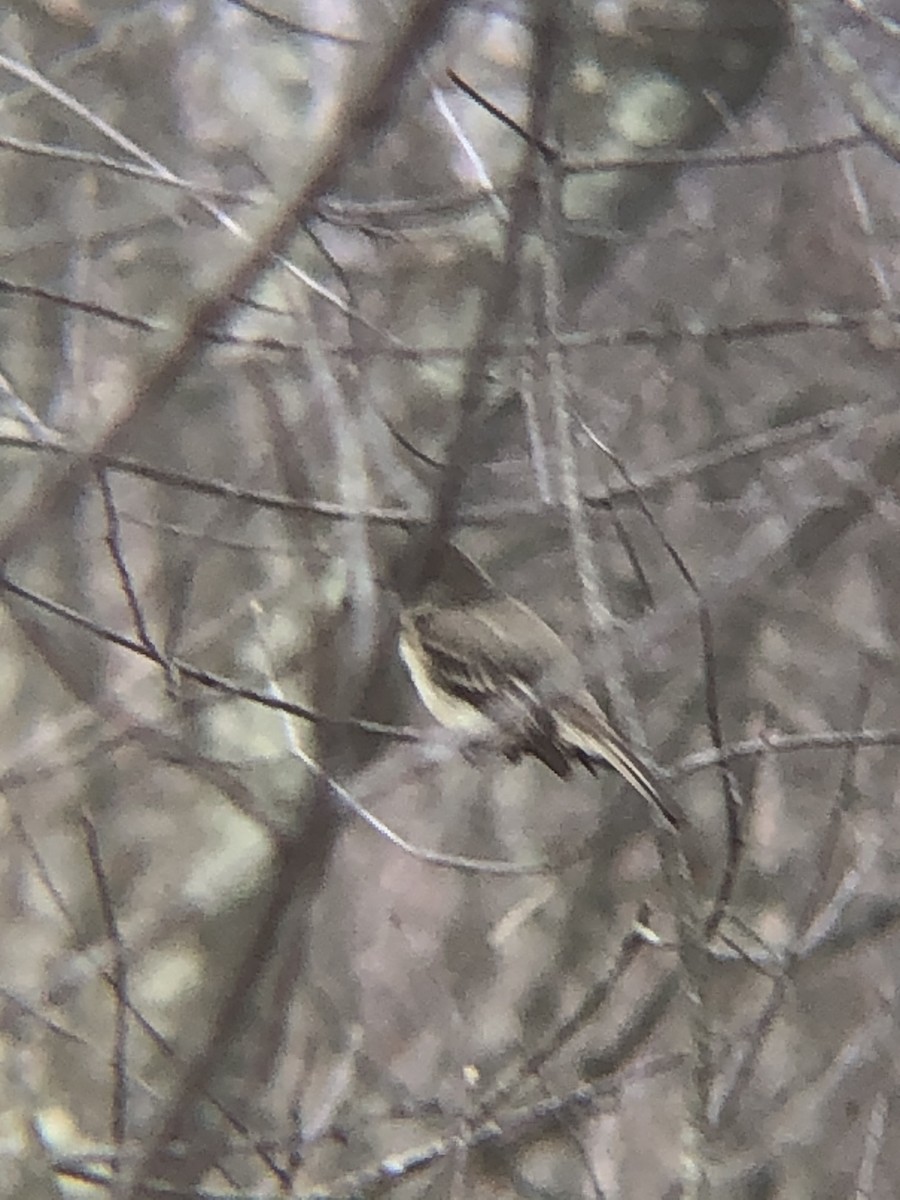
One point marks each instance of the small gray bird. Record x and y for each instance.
(484, 664)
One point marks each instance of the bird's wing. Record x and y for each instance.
(470, 656)
(470, 651)
(463, 668)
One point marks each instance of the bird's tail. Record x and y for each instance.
(591, 739)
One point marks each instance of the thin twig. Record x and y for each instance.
(347, 800)
(117, 553)
(504, 118)
(216, 682)
(785, 743)
(119, 166)
(119, 1103)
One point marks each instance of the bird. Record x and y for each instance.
(486, 665)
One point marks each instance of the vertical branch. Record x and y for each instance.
(695, 934)
(733, 803)
(117, 554)
(119, 980)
